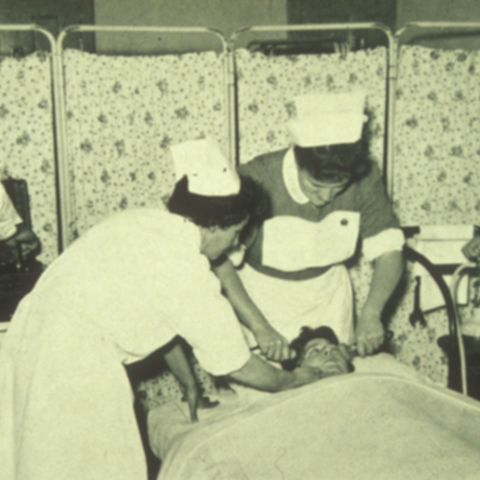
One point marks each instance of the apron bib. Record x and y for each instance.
(293, 244)
(290, 305)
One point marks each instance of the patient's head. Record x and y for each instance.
(319, 348)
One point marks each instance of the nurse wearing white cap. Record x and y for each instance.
(327, 198)
(129, 286)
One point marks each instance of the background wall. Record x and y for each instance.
(441, 11)
(53, 15)
(224, 15)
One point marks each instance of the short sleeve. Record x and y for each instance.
(9, 217)
(375, 208)
(388, 240)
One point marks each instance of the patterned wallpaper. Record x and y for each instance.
(267, 85)
(27, 140)
(437, 136)
(123, 114)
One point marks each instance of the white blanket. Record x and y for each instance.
(358, 426)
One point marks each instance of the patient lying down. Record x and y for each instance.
(320, 348)
(361, 396)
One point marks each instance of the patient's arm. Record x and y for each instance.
(181, 368)
(259, 374)
(273, 345)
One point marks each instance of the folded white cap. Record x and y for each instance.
(327, 118)
(208, 171)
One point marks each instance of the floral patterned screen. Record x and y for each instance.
(27, 140)
(436, 179)
(267, 85)
(123, 112)
(437, 136)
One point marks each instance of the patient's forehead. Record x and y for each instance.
(317, 342)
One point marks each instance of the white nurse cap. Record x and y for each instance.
(327, 119)
(208, 171)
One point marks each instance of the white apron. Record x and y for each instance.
(292, 244)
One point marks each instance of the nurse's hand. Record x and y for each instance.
(472, 249)
(273, 345)
(369, 332)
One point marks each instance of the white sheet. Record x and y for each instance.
(360, 426)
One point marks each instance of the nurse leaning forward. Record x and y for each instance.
(327, 195)
(130, 285)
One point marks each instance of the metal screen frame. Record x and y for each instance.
(64, 181)
(390, 64)
(55, 112)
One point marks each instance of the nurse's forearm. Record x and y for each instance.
(273, 345)
(248, 313)
(259, 374)
(387, 271)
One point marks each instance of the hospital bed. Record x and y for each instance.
(364, 425)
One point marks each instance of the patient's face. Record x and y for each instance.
(322, 354)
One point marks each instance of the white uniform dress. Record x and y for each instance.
(295, 270)
(124, 289)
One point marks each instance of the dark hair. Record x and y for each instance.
(307, 334)
(336, 163)
(252, 201)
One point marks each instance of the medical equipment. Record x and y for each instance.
(454, 326)
(461, 338)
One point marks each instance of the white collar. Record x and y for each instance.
(290, 178)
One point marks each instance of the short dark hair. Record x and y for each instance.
(336, 163)
(307, 334)
(222, 211)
